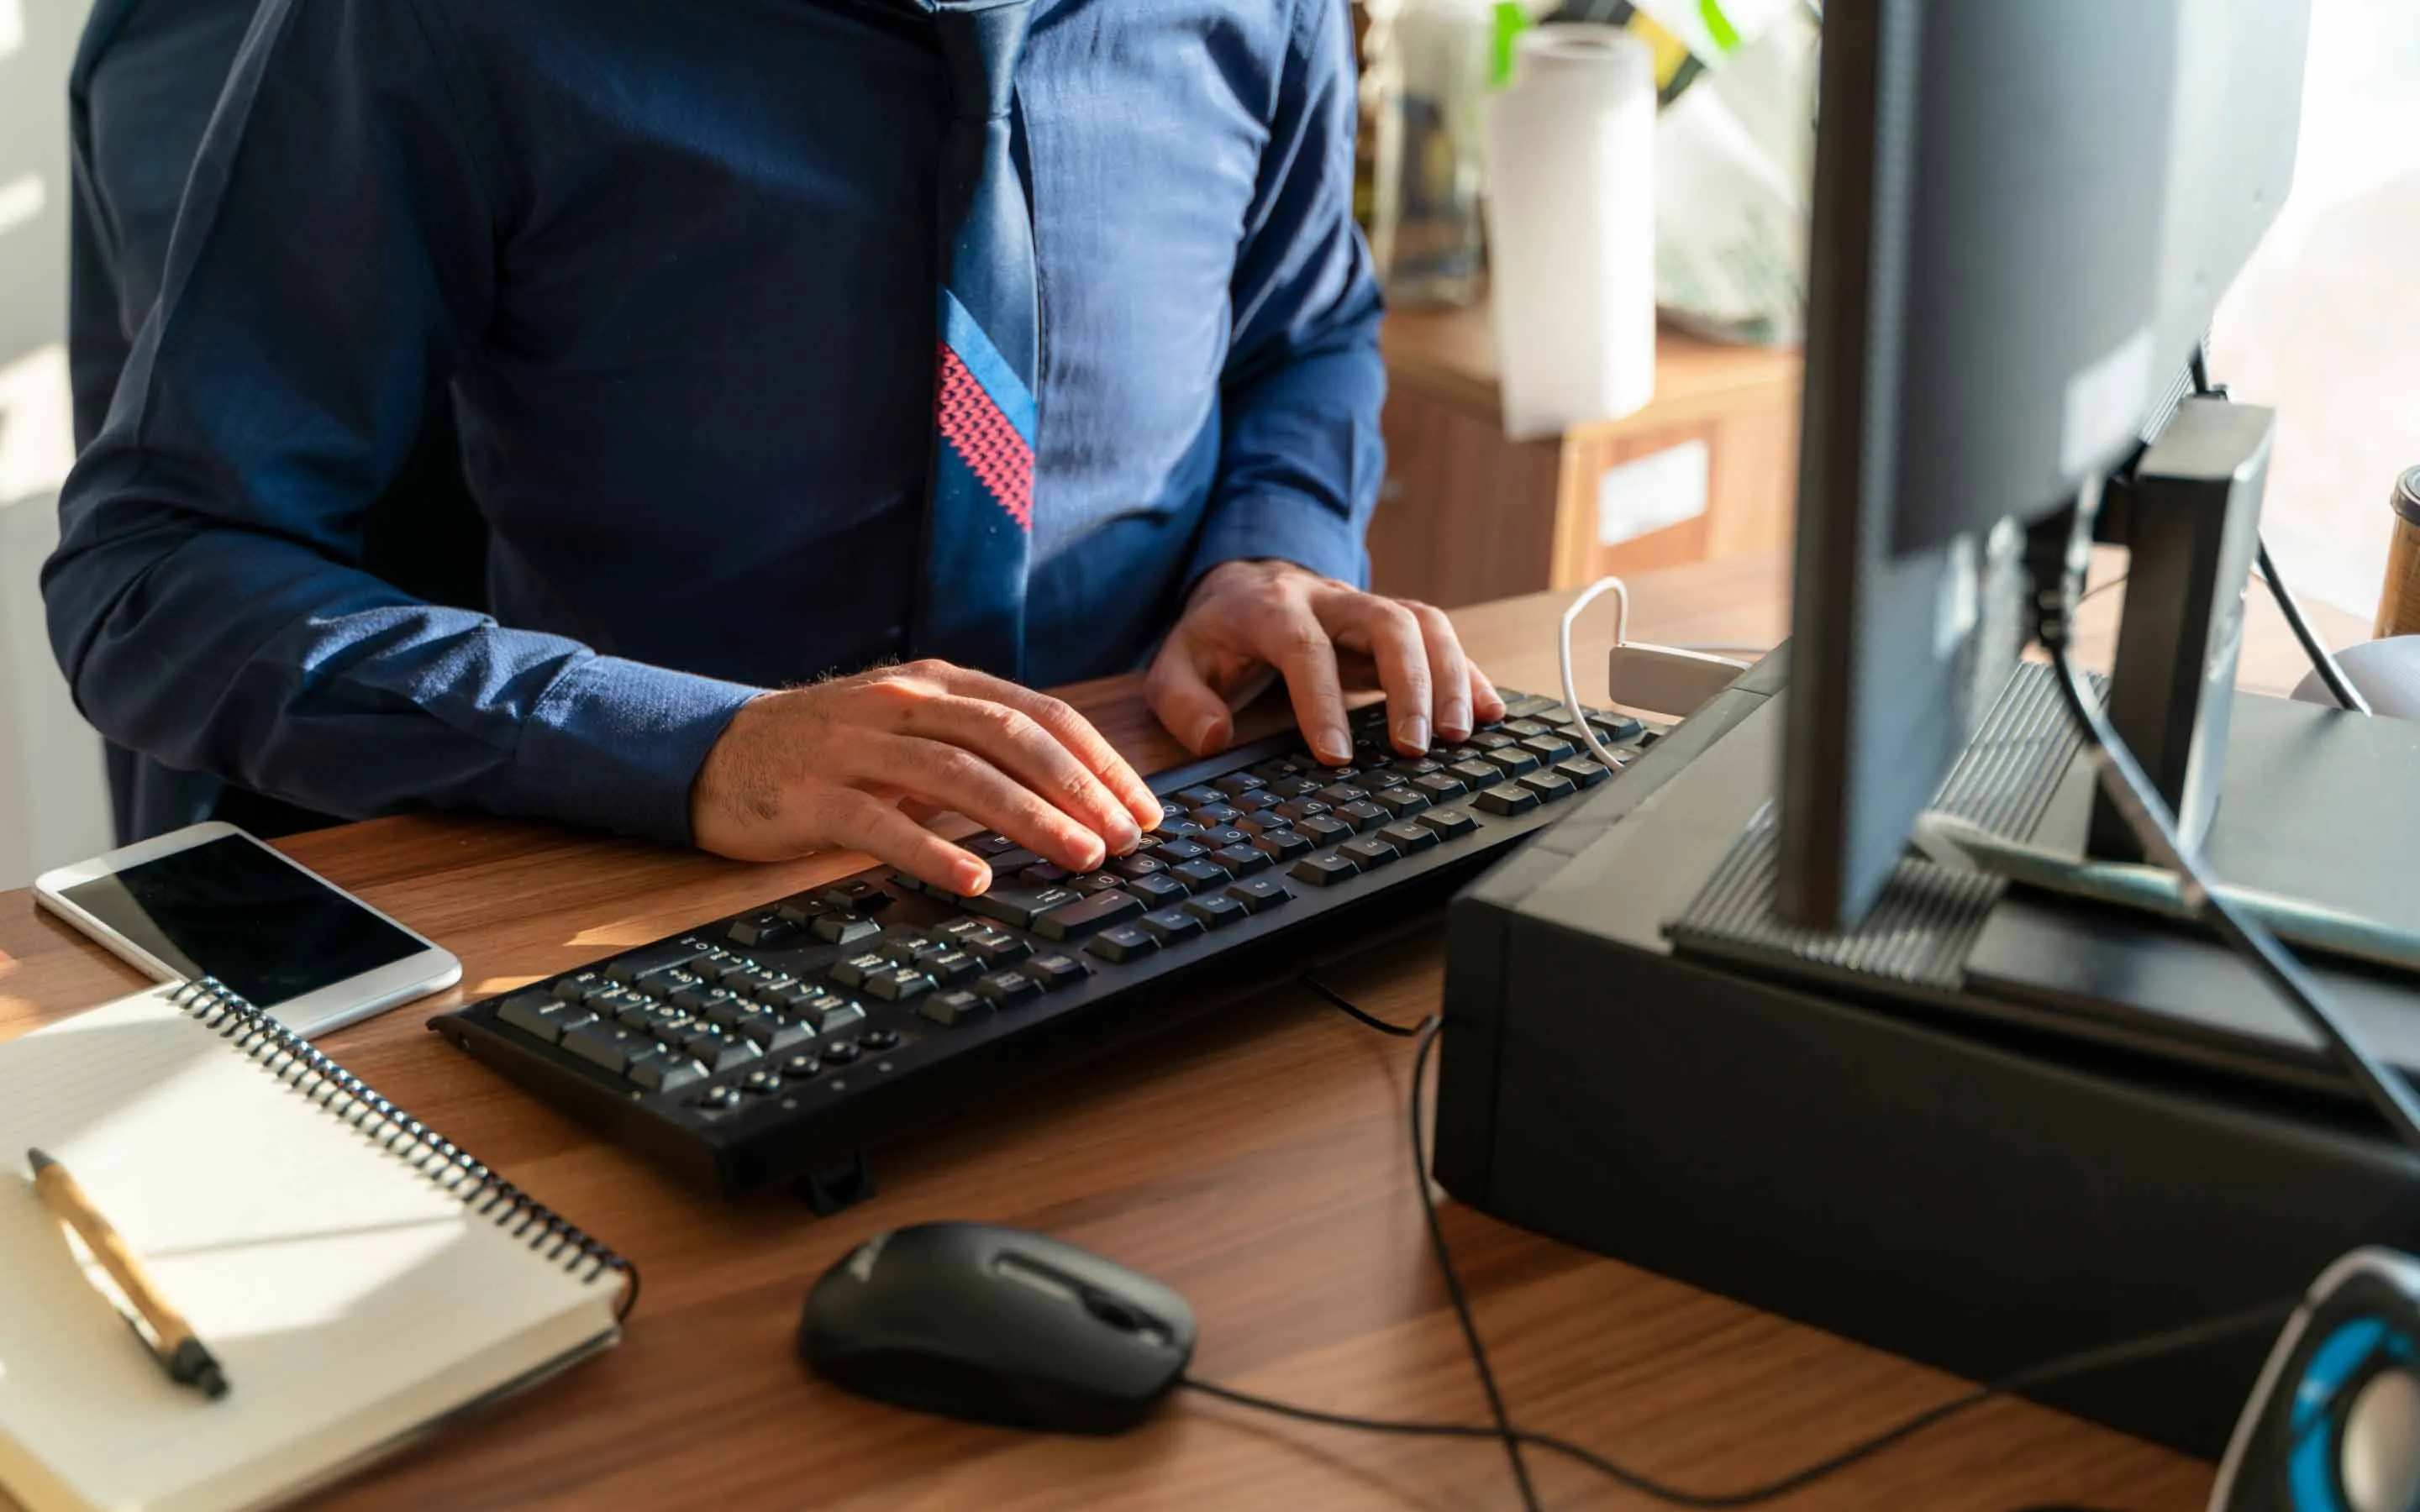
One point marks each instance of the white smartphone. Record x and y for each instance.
(210, 900)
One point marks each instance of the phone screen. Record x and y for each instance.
(233, 909)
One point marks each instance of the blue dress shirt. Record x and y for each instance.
(680, 261)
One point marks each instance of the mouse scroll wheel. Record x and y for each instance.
(1120, 1316)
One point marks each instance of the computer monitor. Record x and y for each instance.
(2025, 215)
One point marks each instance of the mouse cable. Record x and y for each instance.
(2268, 1316)
(1357, 1012)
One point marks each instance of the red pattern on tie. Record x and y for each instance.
(985, 441)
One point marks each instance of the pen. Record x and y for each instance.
(170, 1337)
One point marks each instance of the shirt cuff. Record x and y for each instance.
(1271, 525)
(617, 745)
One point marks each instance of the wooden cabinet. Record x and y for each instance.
(1465, 514)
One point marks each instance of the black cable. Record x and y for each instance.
(2322, 661)
(2147, 814)
(1514, 1438)
(1461, 1311)
(1359, 1014)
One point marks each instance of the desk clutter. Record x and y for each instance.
(357, 1277)
(775, 1046)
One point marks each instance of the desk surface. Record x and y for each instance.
(1255, 1159)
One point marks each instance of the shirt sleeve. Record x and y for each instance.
(207, 600)
(1301, 454)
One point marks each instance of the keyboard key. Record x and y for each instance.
(800, 910)
(630, 968)
(1044, 874)
(1214, 814)
(951, 1009)
(1238, 783)
(1408, 837)
(858, 895)
(1198, 874)
(1488, 740)
(1338, 795)
(1363, 815)
(952, 966)
(1157, 891)
(1008, 988)
(662, 1072)
(729, 1014)
(1276, 771)
(540, 1016)
(1097, 882)
(1550, 785)
(1194, 798)
(879, 1040)
(608, 1045)
(757, 980)
(719, 1099)
(989, 845)
(1367, 852)
(848, 1015)
(1225, 836)
(718, 1050)
(764, 930)
(997, 948)
(1131, 866)
(1418, 767)
(1056, 971)
(1507, 800)
(1281, 845)
(1549, 747)
(903, 947)
(1525, 706)
(855, 971)
(1475, 773)
(845, 928)
(906, 881)
(761, 1081)
(840, 1052)
(1513, 760)
(699, 997)
(794, 998)
(1256, 800)
(671, 1028)
(1122, 943)
(1177, 851)
(1174, 827)
(1295, 787)
(1522, 729)
(774, 1035)
(960, 927)
(1012, 860)
(1583, 771)
(1401, 802)
(577, 987)
(798, 1068)
(1169, 925)
(1096, 912)
(1218, 911)
(1324, 871)
(1260, 894)
(1439, 786)
(899, 985)
(1613, 729)
(1019, 907)
(1449, 824)
(1325, 831)
(1298, 809)
(1240, 861)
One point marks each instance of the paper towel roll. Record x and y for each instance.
(1572, 228)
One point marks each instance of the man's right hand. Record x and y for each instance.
(859, 762)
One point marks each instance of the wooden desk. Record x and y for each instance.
(1254, 1160)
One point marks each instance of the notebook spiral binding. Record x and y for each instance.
(296, 1062)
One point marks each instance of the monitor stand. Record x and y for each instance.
(1988, 1129)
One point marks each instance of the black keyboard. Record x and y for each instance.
(781, 1045)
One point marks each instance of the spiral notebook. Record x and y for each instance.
(359, 1278)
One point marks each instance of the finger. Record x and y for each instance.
(1291, 639)
(1393, 637)
(955, 778)
(1486, 705)
(1017, 744)
(1449, 672)
(845, 817)
(1185, 701)
(1071, 730)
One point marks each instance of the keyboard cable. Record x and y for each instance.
(2267, 1316)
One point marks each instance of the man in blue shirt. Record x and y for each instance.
(680, 265)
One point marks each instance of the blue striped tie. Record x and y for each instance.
(978, 531)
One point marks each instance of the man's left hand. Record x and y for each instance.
(1250, 620)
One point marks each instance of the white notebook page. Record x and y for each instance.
(346, 1296)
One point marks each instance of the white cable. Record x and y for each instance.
(1621, 636)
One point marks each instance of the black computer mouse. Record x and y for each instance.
(997, 1325)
